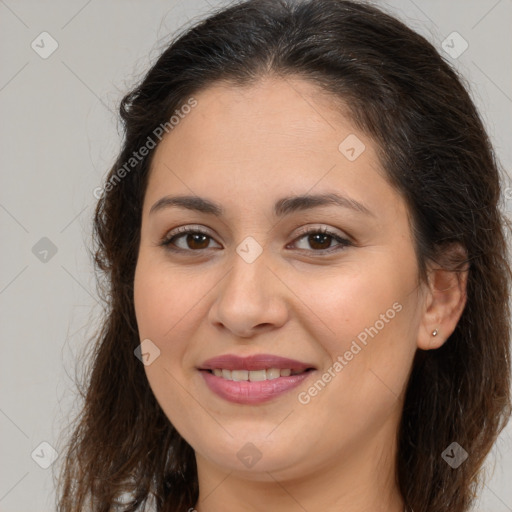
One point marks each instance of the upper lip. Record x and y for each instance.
(253, 362)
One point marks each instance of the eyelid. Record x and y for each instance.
(321, 228)
(189, 227)
(343, 240)
(183, 230)
(302, 231)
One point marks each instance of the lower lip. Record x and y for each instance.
(247, 392)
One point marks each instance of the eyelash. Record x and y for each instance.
(180, 232)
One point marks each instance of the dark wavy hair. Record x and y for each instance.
(396, 88)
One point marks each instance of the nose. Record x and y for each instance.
(250, 299)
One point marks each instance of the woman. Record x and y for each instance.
(308, 278)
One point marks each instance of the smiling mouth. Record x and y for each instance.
(256, 375)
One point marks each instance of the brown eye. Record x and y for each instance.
(320, 240)
(196, 240)
(187, 239)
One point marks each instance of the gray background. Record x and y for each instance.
(59, 136)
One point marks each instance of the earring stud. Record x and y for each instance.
(434, 332)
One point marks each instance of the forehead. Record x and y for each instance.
(277, 135)
(277, 109)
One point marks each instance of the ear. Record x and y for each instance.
(445, 297)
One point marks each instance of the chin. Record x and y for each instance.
(254, 460)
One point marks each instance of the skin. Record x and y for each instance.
(245, 148)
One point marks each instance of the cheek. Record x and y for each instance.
(368, 318)
(164, 300)
(349, 300)
(150, 296)
(164, 307)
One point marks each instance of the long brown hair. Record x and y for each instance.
(434, 150)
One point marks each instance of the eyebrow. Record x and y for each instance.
(282, 207)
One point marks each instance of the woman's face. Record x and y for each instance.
(261, 279)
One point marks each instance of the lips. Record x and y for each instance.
(282, 375)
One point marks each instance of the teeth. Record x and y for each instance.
(273, 373)
(257, 375)
(253, 375)
(239, 375)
